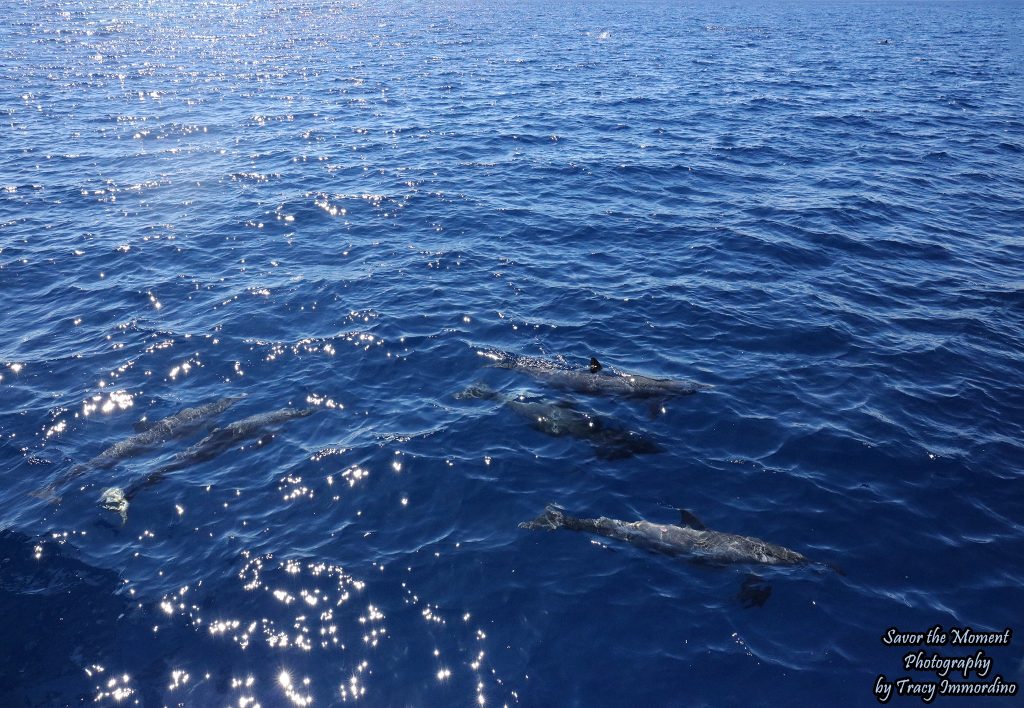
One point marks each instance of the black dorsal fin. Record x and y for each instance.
(688, 518)
(595, 365)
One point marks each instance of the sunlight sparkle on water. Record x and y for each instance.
(116, 400)
(285, 680)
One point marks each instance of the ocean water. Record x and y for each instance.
(814, 207)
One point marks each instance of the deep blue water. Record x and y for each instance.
(339, 204)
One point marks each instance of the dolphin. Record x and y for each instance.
(564, 418)
(218, 441)
(690, 538)
(594, 380)
(182, 423)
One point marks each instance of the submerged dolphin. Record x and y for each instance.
(182, 423)
(564, 418)
(221, 439)
(690, 538)
(593, 380)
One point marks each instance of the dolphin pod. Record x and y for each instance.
(182, 423)
(564, 418)
(593, 380)
(218, 441)
(690, 538)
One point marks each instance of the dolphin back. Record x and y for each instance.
(207, 409)
(286, 414)
(651, 386)
(498, 358)
(246, 426)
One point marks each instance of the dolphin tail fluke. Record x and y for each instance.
(552, 518)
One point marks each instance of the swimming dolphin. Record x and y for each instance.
(182, 423)
(593, 380)
(564, 418)
(220, 440)
(690, 538)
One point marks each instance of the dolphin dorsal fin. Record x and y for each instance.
(688, 518)
(595, 365)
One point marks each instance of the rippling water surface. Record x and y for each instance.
(813, 207)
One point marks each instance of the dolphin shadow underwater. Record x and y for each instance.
(565, 418)
(220, 440)
(689, 539)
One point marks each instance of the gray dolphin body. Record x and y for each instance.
(182, 423)
(565, 419)
(690, 539)
(593, 380)
(220, 440)
(223, 438)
